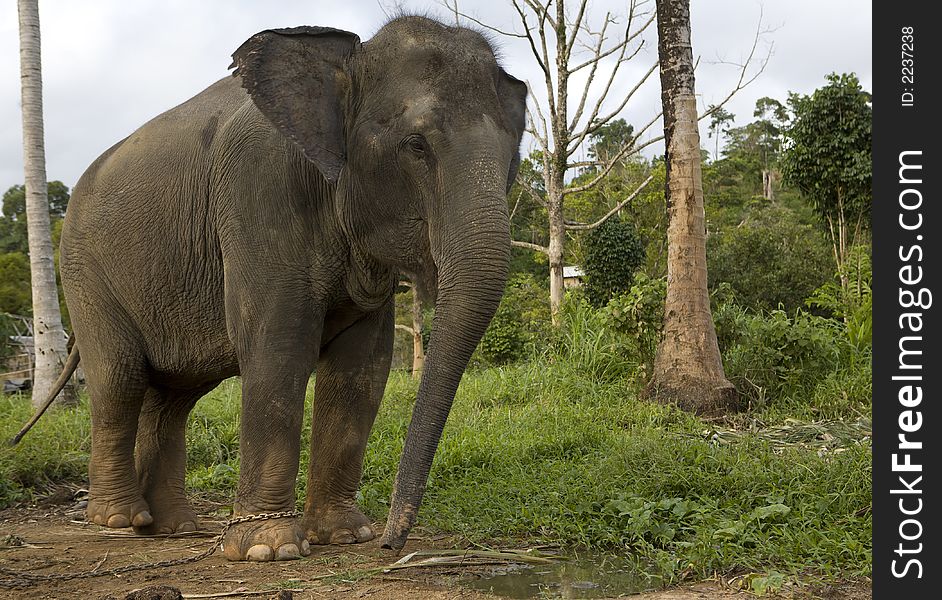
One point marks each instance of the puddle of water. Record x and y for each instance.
(580, 577)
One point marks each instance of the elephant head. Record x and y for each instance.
(419, 130)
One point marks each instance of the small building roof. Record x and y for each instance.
(572, 272)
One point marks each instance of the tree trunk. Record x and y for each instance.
(557, 239)
(688, 369)
(48, 336)
(767, 179)
(418, 349)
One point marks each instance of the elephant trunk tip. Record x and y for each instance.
(398, 527)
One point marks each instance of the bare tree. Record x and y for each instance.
(418, 347)
(48, 335)
(568, 48)
(565, 45)
(688, 369)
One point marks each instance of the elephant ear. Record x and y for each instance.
(513, 98)
(295, 77)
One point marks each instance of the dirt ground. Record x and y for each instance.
(53, 538)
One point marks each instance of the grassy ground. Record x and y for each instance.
(556, 454)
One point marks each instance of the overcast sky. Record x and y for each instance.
(111, 65)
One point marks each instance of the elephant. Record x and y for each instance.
(259, 229)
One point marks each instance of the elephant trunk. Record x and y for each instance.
(471, 248)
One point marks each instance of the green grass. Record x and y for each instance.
(559, 454)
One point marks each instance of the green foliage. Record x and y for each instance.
(829, 147)
(585, 340)
(720, 121)
(13, 221)
(772, 357)
(852, 303)
(770, 261)
(552, 452)
(55, 450)
(639, 315)
(750, 150)
(15, 287)
(15, 291)
(613, 252)
(521, 320)
(606, 141)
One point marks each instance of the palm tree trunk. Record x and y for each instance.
(48, 336)
(688, 369)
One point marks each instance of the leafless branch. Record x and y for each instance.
(621, 205)
(542, 139)
(571, 41)
(541, 59)
(405, 328)
(626, 149)
(740, 84)
(453, 7)
(542, 10)
(516, 204)
(584, 163)
(743, 81)
(597, 51)
(529, 246)
(595, 122)
(531, 192)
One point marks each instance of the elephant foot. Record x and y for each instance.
(274, 539)
(166, 521)
(345, 525)
(117, 513)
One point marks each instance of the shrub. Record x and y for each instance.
(772, 357)
(770, 261)
(849, 296)
(613, 252)
(521, 320)
(639, 314)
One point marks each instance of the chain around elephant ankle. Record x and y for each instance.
(286, 514)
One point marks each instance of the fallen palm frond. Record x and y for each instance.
(236, 593)
(821, 436)
(448, 559)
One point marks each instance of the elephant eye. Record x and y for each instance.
(416, 144)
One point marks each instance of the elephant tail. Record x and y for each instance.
(71, 363)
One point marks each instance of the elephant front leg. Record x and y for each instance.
(351, 377)
(273, 388)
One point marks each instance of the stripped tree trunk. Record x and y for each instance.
(418, 349)
(767, 180)
(48, 336)
(688, 369)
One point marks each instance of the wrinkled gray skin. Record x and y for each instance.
(260, 233)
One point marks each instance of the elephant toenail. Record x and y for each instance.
(305, 547)
(118, 521)
(342, 536)
(260, 552)
(288, 552)
(186, 527)
(365, 533)
(141, 519)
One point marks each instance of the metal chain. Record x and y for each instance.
(13, 578)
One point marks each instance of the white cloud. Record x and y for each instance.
(111, 65)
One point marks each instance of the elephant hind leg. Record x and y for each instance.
(161, 458)
(117, 383)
